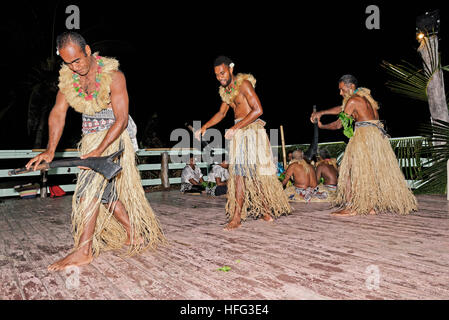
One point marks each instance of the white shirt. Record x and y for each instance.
(188, 173)
(218, 172)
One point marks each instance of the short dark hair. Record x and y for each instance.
(222, 59)
(71, 37)
(349, 79)
(324, 153)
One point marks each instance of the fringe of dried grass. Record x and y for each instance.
(370, 177)
(251, 149)
(109, 232)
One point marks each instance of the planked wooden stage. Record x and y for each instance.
(306, 255)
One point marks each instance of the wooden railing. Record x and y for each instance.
(22, 155)
(163, 165)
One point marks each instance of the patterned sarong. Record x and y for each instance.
(103, 120)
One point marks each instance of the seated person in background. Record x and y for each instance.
(310, 161)
(191, 177)
(289, 157)
(327, 170)
(305, 183)
(218, 175)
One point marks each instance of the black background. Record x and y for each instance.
(296, 50)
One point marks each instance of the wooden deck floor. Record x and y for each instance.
(307, 255)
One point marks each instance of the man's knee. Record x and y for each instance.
(113, 206)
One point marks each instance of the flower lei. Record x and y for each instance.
(232, 88)
(77, 86)
(228, 96)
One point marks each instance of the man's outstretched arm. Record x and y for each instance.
(349, 110)
(56, 123)
(319, 114)
(331, 126)
(214, 120)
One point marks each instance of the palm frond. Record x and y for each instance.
(434, 174)
(411, 81)
(409, 152)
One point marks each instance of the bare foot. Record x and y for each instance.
(138, 240)
(344, 212)
(74, 259)
(267, 217)
(232, 225)
(373, 211)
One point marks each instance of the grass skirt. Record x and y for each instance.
(250, 157)
(126, 187)
(370, 177)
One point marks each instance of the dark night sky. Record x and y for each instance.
(296, 52)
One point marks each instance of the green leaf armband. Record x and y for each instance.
(346, 121)
(282, 177)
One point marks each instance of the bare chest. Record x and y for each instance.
(240, 106)
(88, 83)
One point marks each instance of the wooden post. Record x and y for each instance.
(447, 185)
(44, 183)
(164, 171)
(283, 148)
(436, 95)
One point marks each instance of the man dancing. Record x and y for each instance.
(370, 179)
(94, 86)
(253, 187)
